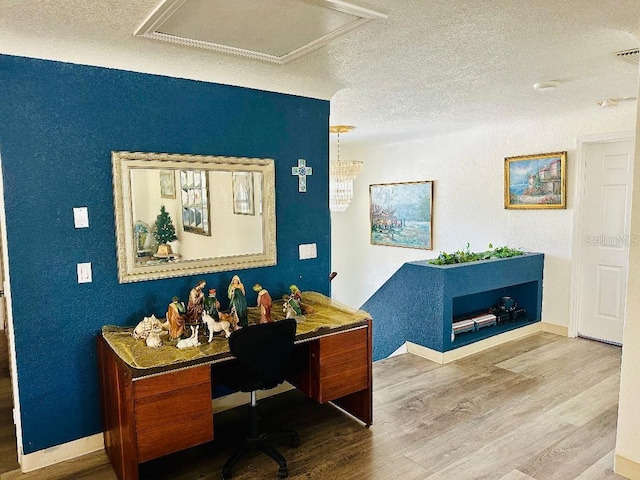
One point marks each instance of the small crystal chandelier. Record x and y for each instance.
(341, 175)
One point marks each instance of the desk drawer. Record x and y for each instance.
(172, 412)
(342, 364)
(175, 436)
(168, 382)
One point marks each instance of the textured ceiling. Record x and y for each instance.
(431, 67)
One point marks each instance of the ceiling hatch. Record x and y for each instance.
(274, 31)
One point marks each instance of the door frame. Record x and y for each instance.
(577, 247)
(17, 418)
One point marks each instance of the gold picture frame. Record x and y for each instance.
(536, 181)
(401, 214)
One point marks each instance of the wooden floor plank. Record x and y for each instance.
(516, 475)
(587, 405)
(601, 470)
(570, 456)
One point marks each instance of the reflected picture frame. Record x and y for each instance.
(536, 181)
(243, 201)
(167, 184)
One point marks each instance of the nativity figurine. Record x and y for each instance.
(212, 305)
(238, 301)
(176, 318)
(264, 302)
(195, 306)
(297, 296)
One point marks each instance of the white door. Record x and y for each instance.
(605, 239)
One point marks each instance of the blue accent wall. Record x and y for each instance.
(58, 125)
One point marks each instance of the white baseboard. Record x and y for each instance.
(402, 349)
(451, 355)
(553, 328)
(60, 453)
(625, 467)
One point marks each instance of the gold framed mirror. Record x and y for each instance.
(179, 214)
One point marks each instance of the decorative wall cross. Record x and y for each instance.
(302, 171)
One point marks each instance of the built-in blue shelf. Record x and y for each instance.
(418, 303)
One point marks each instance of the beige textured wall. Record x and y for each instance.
(468, 170)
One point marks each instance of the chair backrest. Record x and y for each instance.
(264, 349)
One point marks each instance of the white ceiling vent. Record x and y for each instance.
(630, 56)
(274, 31)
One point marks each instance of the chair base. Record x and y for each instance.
(263, 444)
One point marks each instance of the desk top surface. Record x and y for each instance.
(328, 317)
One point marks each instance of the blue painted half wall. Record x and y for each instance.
(58, 125)
(419, 302)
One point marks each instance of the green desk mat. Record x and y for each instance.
(327, 313)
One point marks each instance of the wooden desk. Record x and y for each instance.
(143, 410)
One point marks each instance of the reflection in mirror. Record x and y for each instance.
(187, 214)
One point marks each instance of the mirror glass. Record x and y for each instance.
(182, 215)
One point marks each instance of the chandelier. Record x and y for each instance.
(341, 175)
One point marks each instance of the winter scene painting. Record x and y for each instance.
(401, 214)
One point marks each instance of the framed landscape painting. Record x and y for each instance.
(401, 214)
(535, 181)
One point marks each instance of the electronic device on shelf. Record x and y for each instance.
(507, 304)
(518, 314)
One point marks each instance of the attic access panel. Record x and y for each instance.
(275, 31)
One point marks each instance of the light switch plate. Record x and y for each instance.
(81, 217)
(84, 273)
(307, 251)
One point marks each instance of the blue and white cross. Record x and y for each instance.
(302, 171)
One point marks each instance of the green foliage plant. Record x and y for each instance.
(165, 232)
(465, 256)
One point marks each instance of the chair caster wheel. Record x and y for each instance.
(226, 475)
(295, 442)
(283, 472)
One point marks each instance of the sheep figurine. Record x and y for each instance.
(154, 340)
(215, 327)
(146, 326)
(192, 341)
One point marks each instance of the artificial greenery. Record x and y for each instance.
(464, 256)
(165, 232)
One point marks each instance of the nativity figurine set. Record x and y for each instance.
(202, 313)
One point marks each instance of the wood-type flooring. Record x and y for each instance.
(543, 407)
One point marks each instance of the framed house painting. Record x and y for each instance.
(401, 214)
(242, 183)
(195, 201)
(535, 181)
(167, 184)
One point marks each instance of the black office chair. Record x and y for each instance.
(262, 352)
